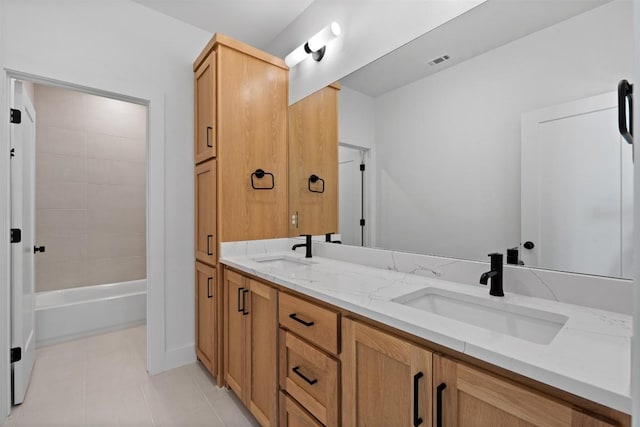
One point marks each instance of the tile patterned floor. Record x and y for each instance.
(102, 381)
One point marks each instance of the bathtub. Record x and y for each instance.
(78, 312)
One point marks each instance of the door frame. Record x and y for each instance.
(155, 216)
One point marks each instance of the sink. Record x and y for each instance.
(284, 261)
(521, 322)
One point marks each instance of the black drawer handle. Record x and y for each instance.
(209, 279)
(209, 237)
(244, 302)
(439, 391)
(208, 143)
(296, 369)
(240, 309)
(297, 319)
(416, 399)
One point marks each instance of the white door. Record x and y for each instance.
(350, 179)
(23, 139)
(576, 188)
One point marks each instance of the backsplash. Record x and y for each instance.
(590, 291)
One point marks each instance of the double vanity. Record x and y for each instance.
(446, 353)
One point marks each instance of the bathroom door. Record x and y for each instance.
(577, 189)
(23, 141)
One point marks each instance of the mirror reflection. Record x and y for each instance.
(495, 131)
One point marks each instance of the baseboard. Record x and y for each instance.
(180, 356)
(88, 333)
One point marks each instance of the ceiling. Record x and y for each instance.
(486, 27)
(256, 22)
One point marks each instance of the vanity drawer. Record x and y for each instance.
(312, 322)
(310, 377)
(292, 415)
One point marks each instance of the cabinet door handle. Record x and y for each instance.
(439, 391)
(240, 309)
(416, 399)
(296, 370)
(295, 317)
(208, 139)
(244, 302)
(209, 237)
(209, 279)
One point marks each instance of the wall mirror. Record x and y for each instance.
(496, 129)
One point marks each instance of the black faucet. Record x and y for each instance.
(495, 275)
(304, 245)
(327, 238)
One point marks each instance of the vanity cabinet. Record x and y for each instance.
(386, 380)
(313, 152)
(467, 396)
(250, 351)
(240, 156)
(293, 415)
(205, 315)
(205, 110)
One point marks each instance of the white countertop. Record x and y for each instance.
(590, 356)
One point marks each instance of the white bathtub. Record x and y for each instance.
(74, 313)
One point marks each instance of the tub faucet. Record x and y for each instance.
(495, 275)
(327, 238)
(304, 245)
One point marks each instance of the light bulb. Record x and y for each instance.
(295, 57)
(325, 35)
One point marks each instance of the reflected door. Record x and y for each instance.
(576, 195)
(23, 174)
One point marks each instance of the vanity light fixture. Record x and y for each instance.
(316, 46)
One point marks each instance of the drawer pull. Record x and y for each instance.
(244, 302)
(439, 391)
(208, 141)
(296, 369)
(209, 280)
(240, 309)
(297, 319)
(416, 399)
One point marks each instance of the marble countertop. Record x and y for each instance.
(589, 357)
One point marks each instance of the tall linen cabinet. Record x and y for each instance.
(241, 104)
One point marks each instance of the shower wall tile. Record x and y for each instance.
(117, 269)
(60, 275)
(90, 189)
(55, 140)
(64, 221)
(60, 168)
(60, 195)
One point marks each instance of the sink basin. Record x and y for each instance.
(284, 261)
(521, 322)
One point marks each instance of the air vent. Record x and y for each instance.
(439, 60)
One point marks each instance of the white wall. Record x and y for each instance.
(125, 48)
(448, 146)
(369, 30)
(356, 118)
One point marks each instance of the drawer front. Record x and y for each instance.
(312, 322)
(292, 415)
(311, 377)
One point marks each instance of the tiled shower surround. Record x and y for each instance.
(90, 189)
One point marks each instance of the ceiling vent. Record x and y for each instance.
(439, 60)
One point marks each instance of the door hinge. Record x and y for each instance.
(16, 235)
(362, 222)
(15, 116)
(16, 354)
(12, 152)
(362, 167)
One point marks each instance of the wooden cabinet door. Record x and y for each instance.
(205, 212)
(465, 396)
(206, 315)
(262, 331)
(313, 150)
(252, 124)
(235, 338)
(205, 109)
(386, 380)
